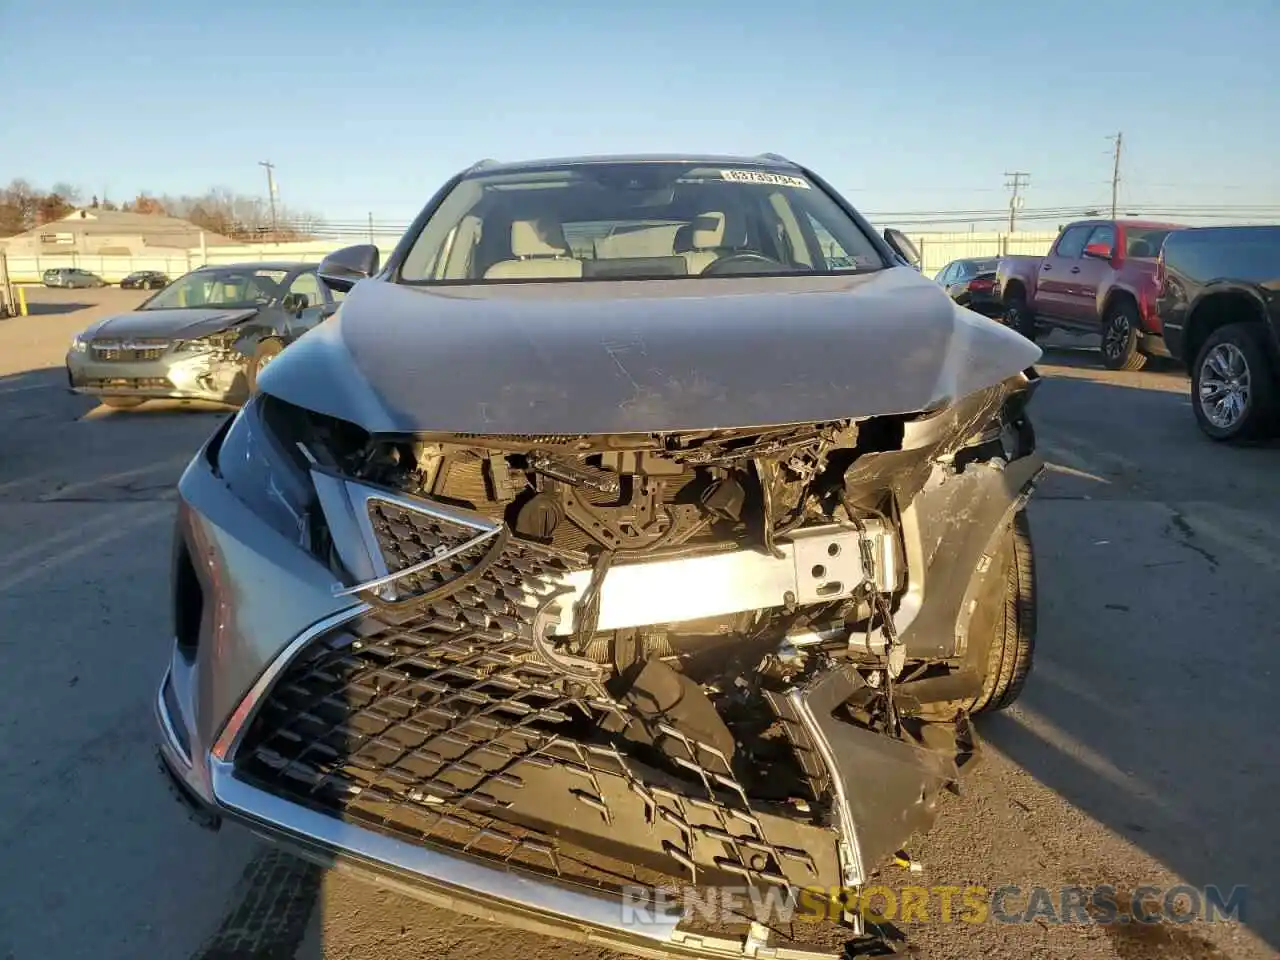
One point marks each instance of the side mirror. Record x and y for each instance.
(903, 246)
(344, 268)
(1099, 251)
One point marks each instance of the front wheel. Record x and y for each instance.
(265, 352)
(1233, 390)
(1122, 338)
(1002, 633)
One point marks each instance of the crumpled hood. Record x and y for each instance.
(184, 324)
(624, 356)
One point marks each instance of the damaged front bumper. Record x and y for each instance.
(440, 747)
(158, 371)
(561, 837)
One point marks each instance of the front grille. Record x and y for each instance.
(446, 725)
(136, 350)
(408, 537)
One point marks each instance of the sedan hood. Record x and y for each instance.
(640, 356)
(186, 323)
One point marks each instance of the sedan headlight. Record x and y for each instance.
(268, 475)
(222, 340)
(79, 344)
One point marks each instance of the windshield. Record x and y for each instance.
(645, 220)
(1144, 244)
(230, 287)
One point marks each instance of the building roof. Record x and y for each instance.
(157, 230)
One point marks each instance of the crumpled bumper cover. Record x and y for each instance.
(195, 375)
(435, 745)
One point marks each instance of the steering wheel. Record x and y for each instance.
(745, 262)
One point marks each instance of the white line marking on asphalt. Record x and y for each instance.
(134, 520)
(112, 479)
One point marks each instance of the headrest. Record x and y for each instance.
(538, 238)
(708, 231)
(1140, 248)
(705, 232)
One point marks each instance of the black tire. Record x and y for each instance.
(1260, 411)
(265, 352)
(1018, 316)
(1121, 346)
(124, 403)
(1003, 630)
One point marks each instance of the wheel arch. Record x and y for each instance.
(1014, 286)
(1119, 295)
(1217, 308)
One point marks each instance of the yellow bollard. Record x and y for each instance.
(22, 301)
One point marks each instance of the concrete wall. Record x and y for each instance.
(936, 249)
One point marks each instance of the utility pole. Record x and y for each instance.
(271, 192)
(1016, 182)
(1115, 174)
(371, 226)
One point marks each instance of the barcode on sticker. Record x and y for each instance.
(763, 176)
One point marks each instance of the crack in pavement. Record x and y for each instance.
(1181, 531)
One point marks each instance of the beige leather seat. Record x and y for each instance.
(540, 251)
(699, 241)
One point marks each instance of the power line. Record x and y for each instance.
(1019, 179)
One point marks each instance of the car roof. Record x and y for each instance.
(763, 161)
(1121, 222)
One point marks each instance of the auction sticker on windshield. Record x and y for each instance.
(763, 176)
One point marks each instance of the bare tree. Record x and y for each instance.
(19, 203)
(68, 192)
(219, 210)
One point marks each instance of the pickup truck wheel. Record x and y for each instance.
(1002, 633)
(1122, 338)
(1233, 388)
(1018, 316)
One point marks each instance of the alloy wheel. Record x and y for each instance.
(1224, 385)
(1116, 339)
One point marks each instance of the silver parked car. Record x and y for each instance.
(72, 277)
(644, 524)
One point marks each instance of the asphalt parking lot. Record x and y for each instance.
(1139, 754)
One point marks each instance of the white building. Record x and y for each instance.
(97, 232)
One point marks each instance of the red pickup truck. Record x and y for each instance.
(1099, 277)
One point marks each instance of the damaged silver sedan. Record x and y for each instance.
(642, 526)
(206, 336)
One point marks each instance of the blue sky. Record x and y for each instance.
(902, 106)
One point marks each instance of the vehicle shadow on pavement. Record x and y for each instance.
(1151, 704)
(47, 309)
(156, 409)
(1084, 356)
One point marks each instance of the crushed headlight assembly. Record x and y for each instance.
(221, 340)
(268, 475)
